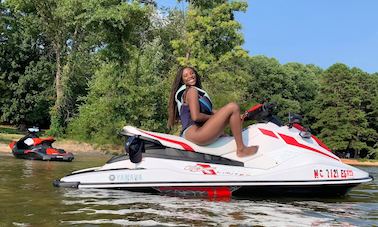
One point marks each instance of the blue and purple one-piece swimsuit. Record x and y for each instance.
(205, 107)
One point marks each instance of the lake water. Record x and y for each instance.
(27, 198)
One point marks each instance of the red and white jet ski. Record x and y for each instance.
(289, 161)
(33, 147)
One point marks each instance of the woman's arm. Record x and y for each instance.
(192, 100)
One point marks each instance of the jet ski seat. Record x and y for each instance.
(224, 146)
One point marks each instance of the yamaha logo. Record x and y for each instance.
(111, 177)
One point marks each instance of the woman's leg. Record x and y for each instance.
(213, 128)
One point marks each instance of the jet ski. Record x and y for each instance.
(290, 160)
(34, 148)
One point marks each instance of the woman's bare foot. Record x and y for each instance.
(247, 151)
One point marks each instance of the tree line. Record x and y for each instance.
(86, 68)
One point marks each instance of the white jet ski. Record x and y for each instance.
(290, 160)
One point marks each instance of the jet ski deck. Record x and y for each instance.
(270, 135)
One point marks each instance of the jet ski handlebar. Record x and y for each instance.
(260, 112)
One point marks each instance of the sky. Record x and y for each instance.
(319, 32)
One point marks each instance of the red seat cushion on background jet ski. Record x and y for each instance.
(51, 151)
(41, 140)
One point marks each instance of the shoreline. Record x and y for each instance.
(356, 162)
(74, 147)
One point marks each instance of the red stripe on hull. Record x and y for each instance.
(321, 143)
(211, 191)
(299, 127)
(292, 141)
(268, 133)
(183, 145)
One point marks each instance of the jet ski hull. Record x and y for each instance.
(232, 188)
(183, 177)
(39, 153)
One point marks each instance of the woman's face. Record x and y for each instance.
(189, 77)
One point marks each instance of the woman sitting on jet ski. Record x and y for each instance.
(201, 124)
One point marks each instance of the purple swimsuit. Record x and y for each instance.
(186, 120)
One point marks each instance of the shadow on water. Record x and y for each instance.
(27, 198)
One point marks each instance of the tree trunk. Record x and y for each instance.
(58, 78)
(347, 150)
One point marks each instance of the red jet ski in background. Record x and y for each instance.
(34, 148)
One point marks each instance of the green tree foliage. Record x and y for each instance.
(32, 96)
(78, 34)
(104, 28)
(133, 92)
(340, 110)
(372, 94)
(26, 73)
(134, 95)
(291, 86)
(211, 35)
(211, 42)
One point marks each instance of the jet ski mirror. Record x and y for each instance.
(269, 107)
(134, 146)
(294, 118)
(294, 121)
(33, 130)
(305, 134)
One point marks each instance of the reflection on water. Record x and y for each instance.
(130, 208)
(27, 198)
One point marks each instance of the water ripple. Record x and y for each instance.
(175, 210)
